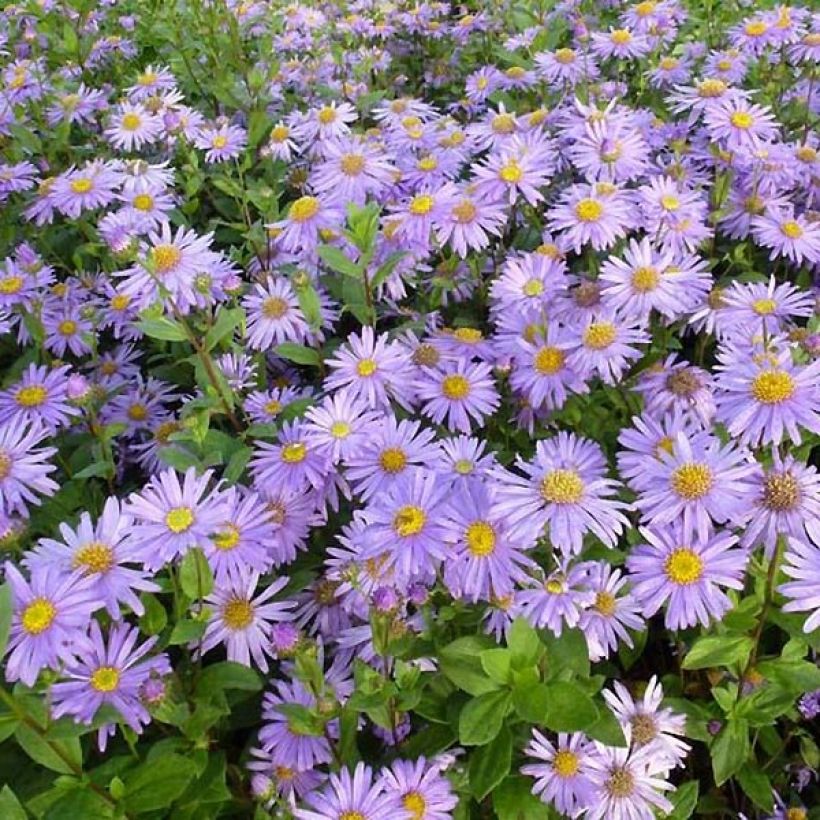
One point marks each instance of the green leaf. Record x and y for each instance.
(156, 783)
(97, 468)
(531, 701)
(10, 808)
(237, 464)
(386, 268)
(730, 750)
(186, 630)
(757, 786)
(78, 803)
(228, 675)
(567, 653)
(460, 661)
(496, 663)
(513, 800)
(155, 617)
(226, 322)
(6, 613)
(718, 650)
(301, 721)
(569, 708)
(310, 305)
(481, 719)
(524, 644)
(298, 353)
(684, 799)
(490, 764)
(794, 676)
(338, 261)
(195, 576)
(64, 756)
(607, 729)
(162, 328)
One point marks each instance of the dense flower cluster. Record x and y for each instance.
(391, 339)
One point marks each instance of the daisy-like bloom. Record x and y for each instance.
(652, 727)
(687, 573)
(150, 82)
(111, 673)
(423, 791)
(787, 234)
(766, 308)
(620, 44)
(542, 372)
(528, 280)
(291, 463)
(40, 397)
(79, 189)
(458, 393)
(243, 622)
(610, 150)
(65, 330)
(468, 220)
(371, 367)
(263, 406)
(787, 503)
(517, 171)
(339, 426)
(131, 126)
(170, 518)
(51, 615)
(274, 315)
(591, 214)
(98, 551)
(557, 600)
(560, 774)
(393, 449)
(290, 748)
(24, 469)
(356, 797)
(764, 398)
(674, 386)
(406, 525)
(352, 170)
(604, 623)
(221, 142)
(565, 486)
(305, 218)
(739, 124)
(463, 457)
(328, 122)
(625, 783)
(698, 483)
(605, 345)
(802, 564)
(483, 561)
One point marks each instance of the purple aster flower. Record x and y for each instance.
(564, 487)
(701, 482)
(468, 221)
(356, 797)
(809, 705)
(620, 44)
(517, 171)
(170, 518)
(221, 142)
(739, 124)
(305, 218)
(458, 393)
(802, 564)
(51, 615)
(763, 398)
(421, 787)
(243, 622)
(557, 600)
(111, 673)
(23, 468)
(767, 307)
(292, 463)
(339, 427)
(788, 234)
(406, 525)
(66, 329)
(463, 457)
(39, 397)
(610, 150)
(594, 214)
(560, 774)
(274, 315)
(685, 573)
(132, 125)
(679, 387)
(352, 170)
(79, 189)
(98, 551)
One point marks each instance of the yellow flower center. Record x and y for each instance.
(562, 487)
(621, 37)
(131, 121)
(366, 367)
(692, 481)
(351, 164)
(415, 804)
(503, 123)
(756, 28)
(11, 284)
(812, 38)
(668, 63)
(511, 172)
(548, 360)
(773, 386)
(791, 229)
(781, 492)
(137, 412)
(352, 815)
(82, 185)
(165, 258)
(32, 396)
(38, 616)
(463, 466)
(600, 335)
(470, 335)
(645, 279)
(147, 78)
(644, 9)
(763, 307)
(6, 464)
(340, 429)
(143, 202)
(480, 537)
(796, 814)
(670, 203)
(95, 557)
(179, 519)
(711, 88)
(621, 783)
(279, 133)
(464, 212)
(228, 538)
(589, 210)
(683, 566)
(294, 452)
(566, 763)
(105, 679)
(67, 327)
(305, 208)
(219, 141)
(554, 586)
(120, 301)
(327, 115)
(274, 307)
(533, 287)
(237, 614)
(273, 407)
(428, 163)
(393, 460)
(409, 520)
(455, 387)
(421, 205)
(742, 119)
